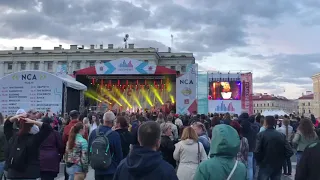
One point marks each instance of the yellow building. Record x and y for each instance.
(316, 94)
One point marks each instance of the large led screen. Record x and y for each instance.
(225, 90)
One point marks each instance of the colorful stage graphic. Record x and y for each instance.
(224, 106)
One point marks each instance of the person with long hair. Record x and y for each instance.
(202, 134)
(22, 152)
(77, 153)
(287, 130)
(244, 145)
(160, 118)
(305, 135)
(189, 152)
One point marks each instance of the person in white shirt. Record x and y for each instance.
(287, 130)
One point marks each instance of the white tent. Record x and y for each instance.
(274, 112)
(72, 83)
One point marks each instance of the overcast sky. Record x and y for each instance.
(278, 40)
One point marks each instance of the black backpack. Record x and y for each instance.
(100, 155)
(18, 155)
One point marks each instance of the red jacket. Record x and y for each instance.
(67, 129)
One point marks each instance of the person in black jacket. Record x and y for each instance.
(145, 161)
(167, 145)
(308, 166)
(271, 150)
(125, 136)
(3, 144)
(28, 142)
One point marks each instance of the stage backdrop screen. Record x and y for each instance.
(225, 90)
(224, 106)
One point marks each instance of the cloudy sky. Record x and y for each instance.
(278, 40)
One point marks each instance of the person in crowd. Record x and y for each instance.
(51, 152)
(178, 122)
(264, 126)
(189, 152)
(308, 166)
(76, 156)
(250, 131)
(226, 119)
(243, 116)
(94, 121)
(167, 145)
(305, 135)
(22, 152)
(244, 145)
(145, 161)
(271, 151)
(86, 125)
(134, 122)
(126, 137)
(287, 130)
(203, 137)
(3, 145)
(222, 165)
(313, 119)
(134, 131)
(175, 133)
(114, 145)
(214, 121)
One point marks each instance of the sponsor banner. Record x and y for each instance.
(62, 69)
(186, 91)
(246, 99)
(125, 66)
(224, 106)
(30, 90)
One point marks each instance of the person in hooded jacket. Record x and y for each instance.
(145, 161)
(225, 145)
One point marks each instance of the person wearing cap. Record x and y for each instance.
(114, 144)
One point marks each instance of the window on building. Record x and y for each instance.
(91, 63)
(303, 111)
(23, 65)
(264, 105)
(36, 65)
(272, 104)
(268, 104)
(254, 111)
(309, 111)
(78, 64)
(50, 66)
(10, 65)
(183, 68)
(173, 67)
(309, 104)
(146, 61)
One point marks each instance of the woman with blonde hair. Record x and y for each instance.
(304, 136)
(189, 152)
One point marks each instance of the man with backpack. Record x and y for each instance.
(105, 152)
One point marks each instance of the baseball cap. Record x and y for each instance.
(20, 111)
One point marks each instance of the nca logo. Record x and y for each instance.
(186, 81)
(28, 77)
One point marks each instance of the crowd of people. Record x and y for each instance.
(157, 146)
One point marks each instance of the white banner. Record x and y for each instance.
(224, 106)
(30, 90)
(186, 91)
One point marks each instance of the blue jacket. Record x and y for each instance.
(115, 149)
(144, 163)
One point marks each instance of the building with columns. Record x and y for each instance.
(270, 102)
(78, 57)
(306, 105)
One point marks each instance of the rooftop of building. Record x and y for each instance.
(265, 97)
(306, 96)
(95, 49)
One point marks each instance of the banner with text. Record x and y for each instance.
(186, 91)
(30, 90)
(247, 91)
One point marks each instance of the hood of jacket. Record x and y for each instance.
(142, 160)
(225, 141)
